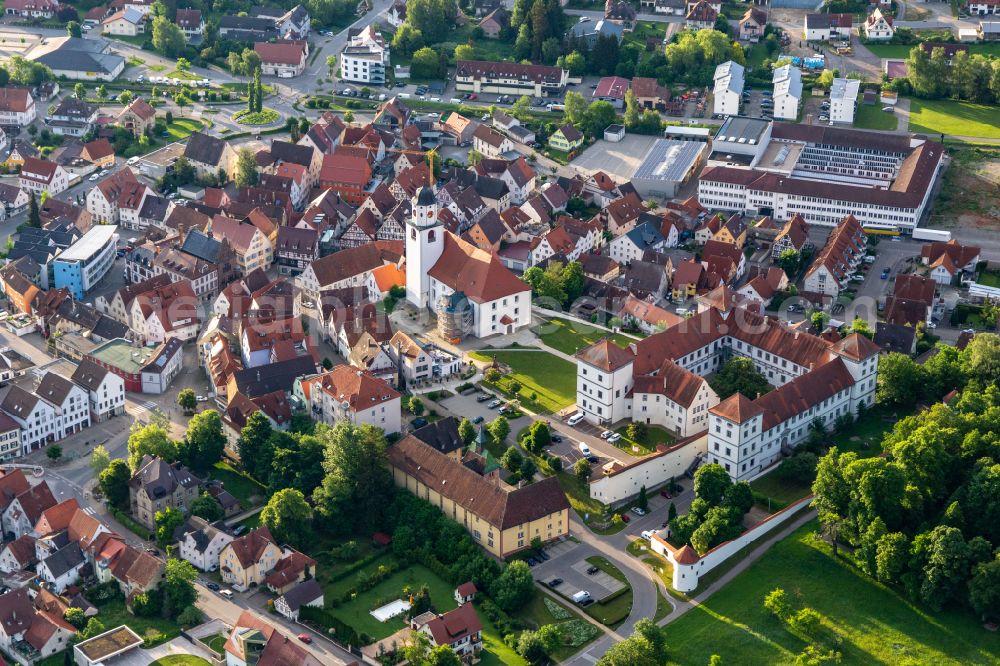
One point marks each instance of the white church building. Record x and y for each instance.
(469, 289)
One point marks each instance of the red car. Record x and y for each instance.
(473, 96)
(666, 494)
(305, 638)
(625, 518)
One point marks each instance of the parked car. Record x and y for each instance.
(625, 518)
(556, 438)
(531, 561)
(666, 493)
(483, 397)
(419, 422)
(576, 418)
(885, 273)
(494, 404)
(592, 570)
(584, 449)
(614, 437)
(478, 419)
(212, 586)
(543, 555)
(646, 534)
(305, 638)
(592, 459)
(606, 434)
(555, 582)
(639, 511)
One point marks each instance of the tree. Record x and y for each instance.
(582, 470)
(425, 63)
(576, 107)
(443, 655)
(739, 375)
(415, 405)
(433, 18)
(99, 459)
(984, 589)
(167, 37)
(800, 468)
(530, 646)
(511, 459)
(643, 501)
(94, 628)
(790, 261)
(464, 52)
(645, 647)
(945, 571)
(178, 586)
(253, 437)
(258, 97)
(167, 520)
(101, 92)
(711, 482)
(126, 97)
(514, 587)
(636, 431)
(207, 507)
(539, 436)
(331, 64)
(288, 516)
(778, 604)
(891, 556)
(599, 115)
(187, 400)
(357, 485)
(900, 380)
(73, 29)
(819, 319)
(190, 617)
(246, 168)
(34, 217)
(499, 428)
(407, 40)
(348, 116)
(861, 327)
(54, 452)
(27, 73)
(75, 617)
(151, 440)
(183, 64)
(467, 431)
(113, 482)
(520, 108)
(204, 441)
(981, 359)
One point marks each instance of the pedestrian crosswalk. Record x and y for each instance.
(90, 511)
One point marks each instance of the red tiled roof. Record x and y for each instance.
(475, 272)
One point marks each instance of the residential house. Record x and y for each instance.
(878, 26)
(210, 155)
(419, 361)
(825, 27)
(349, 394)
(138, 117)
(73, 117)
(793, 236)
(55, 409)
(306, 593)
(62, 568)
(284, 59)
(201, 542)
(631, 245)
(459, 629)
(128, 21)
(701, 16)
(105, 389)
(588, 32)
(620, 12)
(837, 260)
(296, 249)
(191, 23)
(649, 94)
(948, 260)
(24, 510)
(612, 89)
(252, 247)
(347, 175)
(167, 311)
(728, 88)
(347, 268)
(158, 484)
(121, 190)
(254, 640)
(39, 176)
(787, 97)
(490, 143)
(844, 100)
(245, 561)
(495, 22)
(17, 107)
(752, 24)
(566, 139)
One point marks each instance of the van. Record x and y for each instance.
(228, 594)
(404, 95)
(576, 418)
(584, 449)
(581, 597)
(454, 100)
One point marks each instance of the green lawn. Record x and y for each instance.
(865, 435)
(615, 611)
(871, 623)
(182, 75)
(546, 609)
(217, 643)
(356, 612)
(955, 118)
(989, 279)
(654, 435)
(245, 489)
(158, 630)
(181, 660)
(588, 508)
(570, 337)
(645, 30)
(182, 128)
(781, 490)
(871, 116)
(550, 377)
(902, 51)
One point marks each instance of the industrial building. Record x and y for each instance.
(668, 165)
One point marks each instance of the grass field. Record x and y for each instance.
(546, 609)
(550, 377)
(182, 75)
(570, 337)
(955, 118)
(356, 612)
(181, 660)
(113, 614)
(182, 128)
(245, 489)
(647, 444)
(871, 624)
(902, 51)
(871, 116)
(990, 279)
(781, 490)
(217, 643)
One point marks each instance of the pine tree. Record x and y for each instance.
(251, 91)
(259, 94)
(34, 218)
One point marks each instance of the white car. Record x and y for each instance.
(94, 177)
(132, 160)
(614, 437)
(576, 418)
(637, 511)
(584, 449)
(606, 434)
(647, 535)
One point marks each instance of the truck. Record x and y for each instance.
(933, 235)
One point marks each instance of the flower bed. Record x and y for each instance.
(265, 117)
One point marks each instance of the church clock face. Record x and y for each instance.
(430, 214)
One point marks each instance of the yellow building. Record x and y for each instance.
(501, 518)
(246, 561)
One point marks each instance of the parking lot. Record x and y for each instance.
(568, 563)
(466, 406)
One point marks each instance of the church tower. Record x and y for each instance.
(424, 244)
